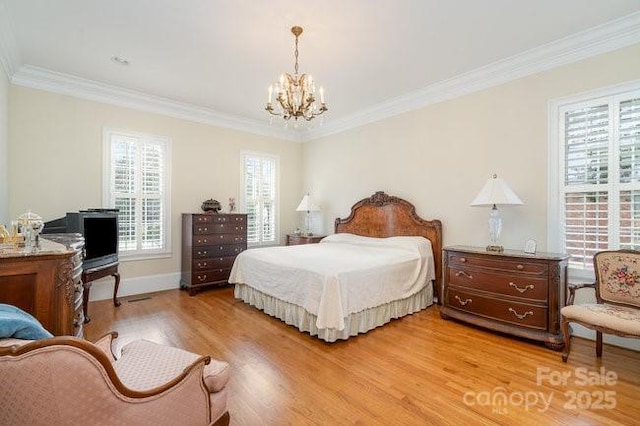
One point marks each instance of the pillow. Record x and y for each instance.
(18, 324)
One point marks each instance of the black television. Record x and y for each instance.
(99, 227)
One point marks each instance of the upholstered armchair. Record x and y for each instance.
(617, 307)
(70, 381)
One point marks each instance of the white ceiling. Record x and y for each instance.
(216, 58)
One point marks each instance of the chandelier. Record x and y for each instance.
(295, 94)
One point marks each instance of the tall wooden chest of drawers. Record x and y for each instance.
(210, 244)
(511, 292)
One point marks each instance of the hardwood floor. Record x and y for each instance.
(414, 371)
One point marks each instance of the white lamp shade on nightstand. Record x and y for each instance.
(495, 193)
(307, 205)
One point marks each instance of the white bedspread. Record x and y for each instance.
(344, 274)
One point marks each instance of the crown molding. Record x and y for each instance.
(614, 35)
(9, 54)
(66, 84)
(604, 38)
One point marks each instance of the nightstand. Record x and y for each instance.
(511, 291)
(294, 240)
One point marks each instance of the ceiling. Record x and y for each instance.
(216, 59)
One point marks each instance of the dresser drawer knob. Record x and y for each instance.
(202, 253)
(520, 316)
(202, 265)
(520, 267)
(464, 274)
(202, 277)
(463, 302)
(463, 259)
(522, 289)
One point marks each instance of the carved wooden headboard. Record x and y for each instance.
(382, 215)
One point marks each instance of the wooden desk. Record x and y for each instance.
(90, 275)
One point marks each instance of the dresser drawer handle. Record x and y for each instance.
(463, 259)
(202, 265)
(520, 267)
(202, 277)
(522, 289)
(464, 274)
(205, 229)
(202, 253)
(520, 316)
(463, 302)
(202, 241)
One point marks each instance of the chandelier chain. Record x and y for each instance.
(296, 55)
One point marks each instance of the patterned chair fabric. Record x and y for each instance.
(65, 380)
(617, 307)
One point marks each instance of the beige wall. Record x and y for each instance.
(4, 148)
(440, 156)
(56, 162)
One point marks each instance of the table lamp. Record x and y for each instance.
(307, 204)
(495, 193)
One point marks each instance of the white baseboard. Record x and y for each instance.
(580, 331)
(103, 289)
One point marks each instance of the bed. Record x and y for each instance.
(382, 263)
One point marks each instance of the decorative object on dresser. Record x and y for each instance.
(294, 240)
(617, 307)
(511, 292)
(307, 205)
(495, 193)
(211, 205)
(44, 281)
(210, 244)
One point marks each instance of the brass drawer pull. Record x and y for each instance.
(202, 253)
(520, 316)
(522, 289)
(202, 277)
(464, 274)
(202, 241)
(202, 265)
(463, 259)
(463, 302)
(519, 267)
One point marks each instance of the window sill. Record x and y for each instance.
(136, 257)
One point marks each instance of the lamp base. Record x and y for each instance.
(498, 249)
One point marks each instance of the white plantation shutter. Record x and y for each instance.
(600, 176)
(260, 197)
(137, 185)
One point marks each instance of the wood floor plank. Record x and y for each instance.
(418, 370)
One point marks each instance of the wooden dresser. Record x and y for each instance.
(46, 282)
(294, 240)
(210, 244)
(511, 292)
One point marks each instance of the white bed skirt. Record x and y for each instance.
(359, 322)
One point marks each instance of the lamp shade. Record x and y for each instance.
(307, 205)
(496, 192)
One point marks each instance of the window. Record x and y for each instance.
(137, 183)
(259, 198)
(596, 189)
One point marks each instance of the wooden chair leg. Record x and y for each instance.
(566, 333)
(598, 344)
